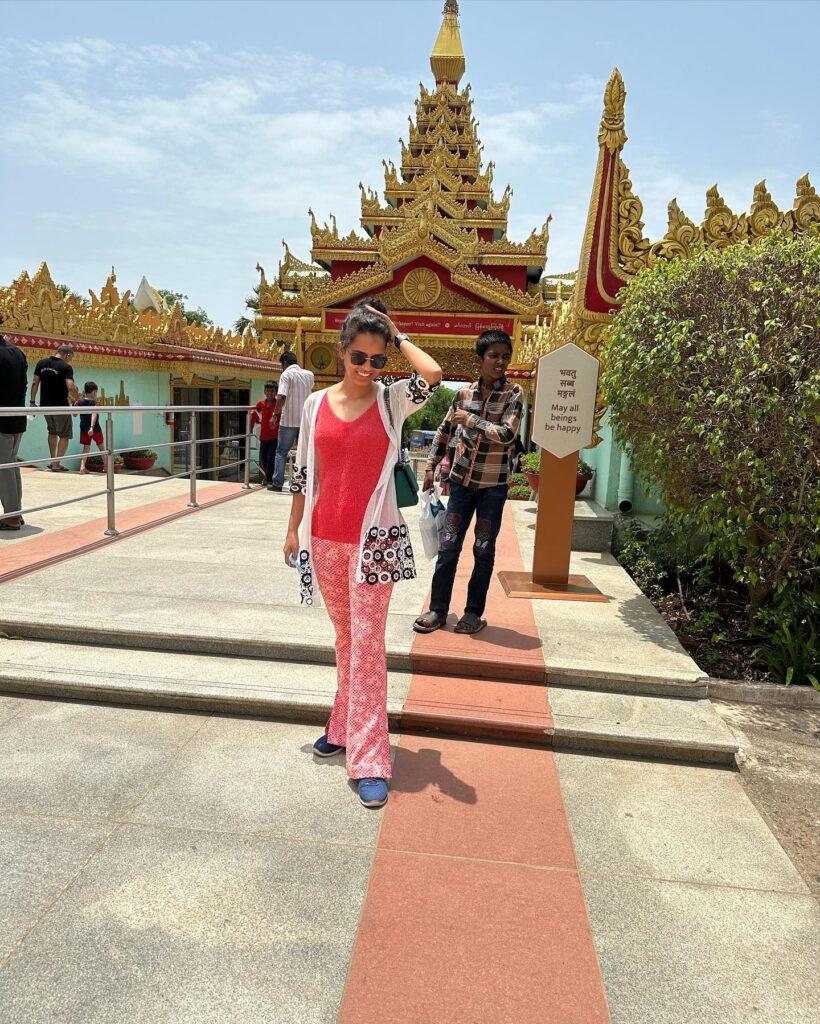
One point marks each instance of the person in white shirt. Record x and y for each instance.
(295, 385)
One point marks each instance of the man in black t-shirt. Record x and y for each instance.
(13, 368)
(54, 378)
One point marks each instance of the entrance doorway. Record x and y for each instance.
(182, 428)
(230, 424)
(210, 453)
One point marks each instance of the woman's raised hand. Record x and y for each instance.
(383, 316)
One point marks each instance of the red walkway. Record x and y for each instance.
(474, 911)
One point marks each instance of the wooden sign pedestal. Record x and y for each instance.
(550, 578)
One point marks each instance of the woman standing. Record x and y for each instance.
(346, 535)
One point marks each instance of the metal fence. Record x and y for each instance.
(107, 414)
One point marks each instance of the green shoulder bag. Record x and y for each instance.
(404, 479)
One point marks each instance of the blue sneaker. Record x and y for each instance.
(373, 792)
(321, 748)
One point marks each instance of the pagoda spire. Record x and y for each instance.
(447, 58)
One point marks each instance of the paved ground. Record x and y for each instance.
(780, 768)
(172, 867)
(41, 487)
(214, 564)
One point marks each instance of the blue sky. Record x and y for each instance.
(184, 140)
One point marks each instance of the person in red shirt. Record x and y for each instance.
(266, 415)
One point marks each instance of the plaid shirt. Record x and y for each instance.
(485, 442)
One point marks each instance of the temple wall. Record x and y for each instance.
(614, 478)
(132, 428)
(141, 388)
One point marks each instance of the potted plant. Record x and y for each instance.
(519, 489)
(142, 458)
(530, 468)
(95, 464)
(585, 474)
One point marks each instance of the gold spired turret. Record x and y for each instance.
(447, 58)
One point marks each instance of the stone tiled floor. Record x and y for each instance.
(171, 868)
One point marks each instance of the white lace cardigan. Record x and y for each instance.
(385, 552)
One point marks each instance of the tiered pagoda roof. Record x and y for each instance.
(438, 203)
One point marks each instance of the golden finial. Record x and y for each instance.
(447, 59)
(611, 133)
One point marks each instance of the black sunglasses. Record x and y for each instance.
(359, 359)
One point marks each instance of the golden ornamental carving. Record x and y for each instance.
(764, 216)
(720, 226)
(35, 304)
(448, 301)
(611, 133)
(421, 288)
(498, 292)
(806, 209)
(680, 237)
(320, 294)
(633, 248)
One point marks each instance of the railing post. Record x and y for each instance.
(248, 435)
(192, 502)
(112, 530)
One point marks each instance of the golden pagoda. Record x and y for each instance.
(434, 246)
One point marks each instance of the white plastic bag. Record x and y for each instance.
(431, 521)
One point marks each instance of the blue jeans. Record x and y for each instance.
(488, 505)
(287, 435)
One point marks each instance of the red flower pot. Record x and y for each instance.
(101, 469)
(139, 461)
(533, 480)
(581, 482)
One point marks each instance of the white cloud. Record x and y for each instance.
(189, 164)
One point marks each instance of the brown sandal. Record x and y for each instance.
(470, 623)
(429, 622)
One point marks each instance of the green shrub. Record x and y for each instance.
(531, 462)
(518, 486)
(663, 559)
(713, 382)
(142, 453)
(787, 625)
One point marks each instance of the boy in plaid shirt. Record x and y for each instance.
(488, 413)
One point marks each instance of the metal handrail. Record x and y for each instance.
(110, 451)
(84, 410)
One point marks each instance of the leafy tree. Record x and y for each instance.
(713, 381)
(431, 414)
(193, 316)
(67, 292)
(251, 305)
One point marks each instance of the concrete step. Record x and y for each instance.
(591, 526)
(286, 646)
(657, 727)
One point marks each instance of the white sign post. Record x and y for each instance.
(562, 422)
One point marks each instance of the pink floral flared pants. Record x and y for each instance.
(358, 612)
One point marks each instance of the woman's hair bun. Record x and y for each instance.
(375, 302)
